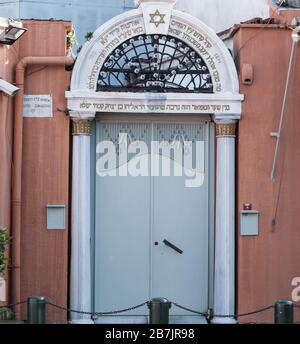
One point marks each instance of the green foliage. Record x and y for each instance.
(5, 239)
(71, 39)
(6, 314)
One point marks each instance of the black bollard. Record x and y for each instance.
(284, 312)
(36, 310)
(159, 311)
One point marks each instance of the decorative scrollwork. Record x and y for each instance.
(155, 63)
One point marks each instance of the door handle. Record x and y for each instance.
(175, 248)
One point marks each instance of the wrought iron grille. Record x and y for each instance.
(154, 63)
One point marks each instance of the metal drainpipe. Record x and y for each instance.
(17, 167)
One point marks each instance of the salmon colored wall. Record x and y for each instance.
(266, 264)
(284, 15)
(8, 58)
(45, 178)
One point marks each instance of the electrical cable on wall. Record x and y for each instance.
(283, 108)
(295, 38)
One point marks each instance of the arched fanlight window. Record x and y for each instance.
(154, 63)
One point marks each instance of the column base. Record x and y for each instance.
(82, 322)
(224, 321)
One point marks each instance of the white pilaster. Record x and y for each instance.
(224, 290)
(80, 292)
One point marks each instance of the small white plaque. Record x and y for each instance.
(39, 105)
(2, 290)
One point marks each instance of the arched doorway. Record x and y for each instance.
(153, 69)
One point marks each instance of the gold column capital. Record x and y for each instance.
(82, 127)
(225, 129)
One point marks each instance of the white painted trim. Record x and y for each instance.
(80, 289)
(86, 104)
(163, 17)
(224, 283)
(155, 96)
(149, 118)
(80, 115)
(82, 322)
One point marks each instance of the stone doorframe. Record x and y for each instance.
(224, 104)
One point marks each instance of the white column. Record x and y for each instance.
(80, 293)
(224, 290)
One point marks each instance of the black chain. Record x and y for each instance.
(204, 314)
(244, 314)
(97, 313)
(190, 310)
(124, 310)
(254, 312)
(207, 315)
(67, 309)
(13, 304)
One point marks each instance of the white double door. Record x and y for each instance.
(151, 231)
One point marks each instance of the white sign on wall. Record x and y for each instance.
(2, 290)
(38, 105)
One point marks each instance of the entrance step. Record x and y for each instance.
(122, 320)
(179, 319)
(183, 319)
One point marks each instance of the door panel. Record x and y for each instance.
(122, 228)
(180, 216)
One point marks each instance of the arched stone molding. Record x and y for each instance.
(155, 17)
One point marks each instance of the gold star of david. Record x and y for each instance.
(157, 18)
